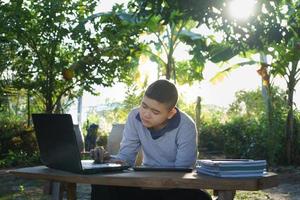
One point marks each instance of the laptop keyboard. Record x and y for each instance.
(89, 164)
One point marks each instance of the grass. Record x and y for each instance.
(246, 195)
(253, 195)
(13, 188)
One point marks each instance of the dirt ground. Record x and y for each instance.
(289, 187)
(12, 187)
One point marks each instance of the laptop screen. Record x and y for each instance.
(57, 141)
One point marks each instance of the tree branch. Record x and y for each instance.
(178, 32)
(161, 42)
(62, 93)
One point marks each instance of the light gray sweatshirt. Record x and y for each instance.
(175, 148)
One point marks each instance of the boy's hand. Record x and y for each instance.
(113, 159)
(106, 156)
(99, 154)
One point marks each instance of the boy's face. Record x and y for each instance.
(155, 114)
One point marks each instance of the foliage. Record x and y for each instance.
(116, 113)
(102, 140)
(134, 95)
(296, 141)
(244, 138)
(251, 103)
(188, 108)
(59, 48)
(274, 31)
(133, 98)
(13, 101)
(92, 118)
(18, 159)
(166, 8)
(18, 145)
(170, 29)
(202, 14)
(211, 137)
(243, 133)
(168, 37)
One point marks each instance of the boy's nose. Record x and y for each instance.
(147, 114)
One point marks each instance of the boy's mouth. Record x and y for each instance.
(145, 121)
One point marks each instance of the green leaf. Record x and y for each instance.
(191, 35)
(222, 74)
(154, 25)
(222, 53)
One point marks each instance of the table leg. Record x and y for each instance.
(224, 194)
(71, 191)
(57, 191)
(47, 187)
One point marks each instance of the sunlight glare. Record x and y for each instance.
(241, 9)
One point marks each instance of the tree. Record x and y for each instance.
(171, 27)
(275, 33)
(62, 47)
(272, 30)
(167, 38)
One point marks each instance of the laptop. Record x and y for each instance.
(59, 148)
(162, 169)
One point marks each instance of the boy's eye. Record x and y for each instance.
(155, 112)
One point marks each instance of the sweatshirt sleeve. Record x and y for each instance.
(130, 143)
(186, 145)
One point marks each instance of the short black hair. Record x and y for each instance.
(164, 92)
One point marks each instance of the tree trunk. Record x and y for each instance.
(290, 117)
(170, 63)
(28, 108)
(266, 93)
(289, 135)
(198, 114)
(168, 70)
(49, 102)
(79, 110)
(49, 91)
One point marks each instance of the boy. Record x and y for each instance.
(167, 137)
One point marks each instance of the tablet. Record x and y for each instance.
(163, 169)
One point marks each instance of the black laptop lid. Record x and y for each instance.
(57, 141)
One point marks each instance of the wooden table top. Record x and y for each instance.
(190, 180)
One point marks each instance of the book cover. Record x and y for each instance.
(232, 167)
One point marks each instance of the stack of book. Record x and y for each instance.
(234, 168)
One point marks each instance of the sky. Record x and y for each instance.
(221, 93)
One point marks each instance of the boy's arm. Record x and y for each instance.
(130, 143)
(186, 146)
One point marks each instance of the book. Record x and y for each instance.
(232, 167)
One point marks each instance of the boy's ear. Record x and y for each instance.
(172, 113)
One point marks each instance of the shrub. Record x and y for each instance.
(244, 138)
(18, 144)
(245, 131)
(21, 158)
(211, 137)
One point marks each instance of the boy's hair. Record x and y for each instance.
(164, 92)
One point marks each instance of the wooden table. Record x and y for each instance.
(225, 188)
